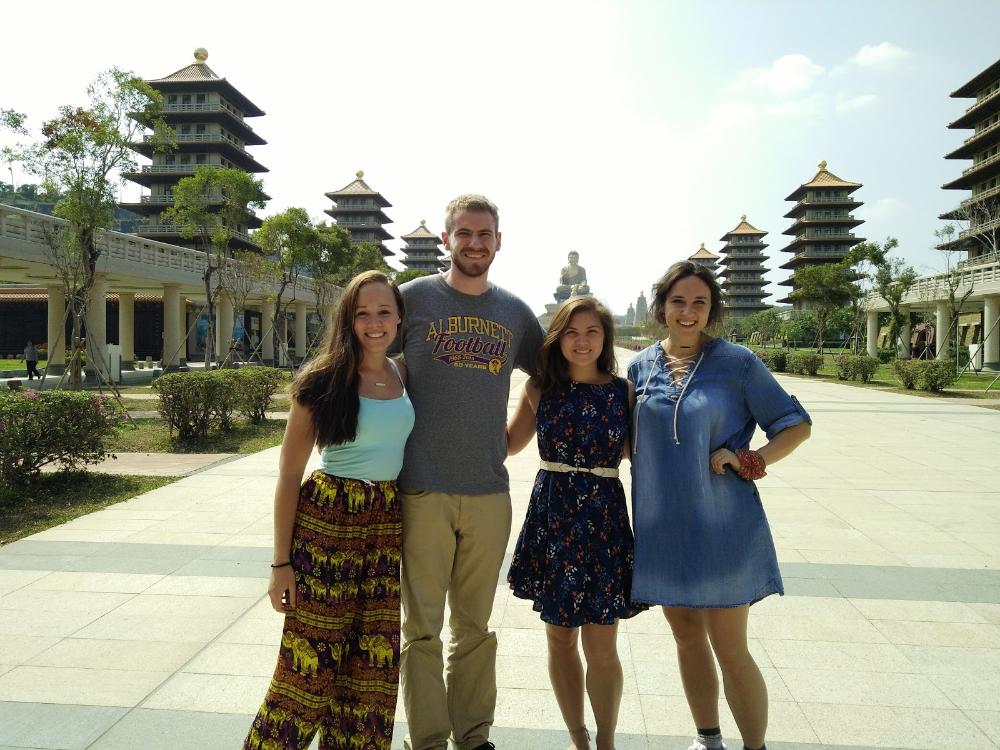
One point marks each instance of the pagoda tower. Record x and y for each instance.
(705, 258)
(823, 223)
(641, 310)
(743, 270)
(207, 116)
(982, 208)
(358, 209)
(422, 251)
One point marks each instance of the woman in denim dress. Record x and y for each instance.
(703, 549)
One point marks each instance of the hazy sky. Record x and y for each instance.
(628, 131)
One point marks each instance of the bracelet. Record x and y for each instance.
(281, 565)
(751, 465)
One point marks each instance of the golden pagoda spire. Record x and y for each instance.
(360, 174)
(822, 164)
(200, 55)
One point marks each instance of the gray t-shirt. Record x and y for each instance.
(460, 351)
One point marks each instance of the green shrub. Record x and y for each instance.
(938, 374)
(855, 367)
(907, 371)
(775, 359)
(928, 375)
(63, 427)
(193, 403)
(885, 356)
(256, 387)
(806, 363)
(186, 403)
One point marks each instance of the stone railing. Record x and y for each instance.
(142, 258)
(980, 260)
(980, 164)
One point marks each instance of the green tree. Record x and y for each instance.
(81, 154)
(800, 326)
(766, 322)
(892, 280)
(401, 277)
(822, 288)
(952, 281)
(208, 207)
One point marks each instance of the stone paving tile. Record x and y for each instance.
(11, 580)
(174, 629)
(939, 633)
(883, 726)
(668, 715)
(168, 730)
(951, 659)
(220, 658)
(918, 611)
(92, 653)
(978, 690)
(855, 657)
(122, 583)
(53, 726)
(210, 586)
(70, 685)
(870, 688)
(226, 694)
(89, 603)
(988, 722)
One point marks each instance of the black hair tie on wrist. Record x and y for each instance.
(281, 565)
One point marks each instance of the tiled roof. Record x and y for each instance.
(196, 71)
(823, 179)
(703, 253)
(421, 232)
(744, 227)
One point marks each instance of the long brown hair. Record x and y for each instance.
(328, 385)
(552, 366)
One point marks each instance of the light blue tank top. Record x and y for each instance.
(376, 454)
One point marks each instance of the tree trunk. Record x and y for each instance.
(210, 332)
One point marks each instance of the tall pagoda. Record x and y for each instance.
(641, 310)
(358, 209)
(822, 224)
(705, 258)
(207, 116)
(981, 240)
(422, 251)
(743, 270)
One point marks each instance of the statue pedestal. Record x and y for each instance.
(546, 317)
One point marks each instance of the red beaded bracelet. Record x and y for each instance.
(751, 465)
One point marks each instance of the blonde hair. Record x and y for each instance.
(470, 202)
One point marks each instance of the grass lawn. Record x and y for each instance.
(152, 436)
(18, 364)
(969, 385)
(63, 496)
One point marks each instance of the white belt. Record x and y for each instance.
(601, 471)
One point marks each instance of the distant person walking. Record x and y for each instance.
(31, 361)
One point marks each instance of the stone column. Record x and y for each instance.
(903, 345)
(283, 355)
(942, 333)
(327, 311)
(182, 323)
(991, 328)
(301, 337)
(171, 327)
(872, 333)
(267, 332)
(126, 328)
(223, 327)
(57, 330)
(97, 325)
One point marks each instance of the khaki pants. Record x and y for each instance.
(453, 545)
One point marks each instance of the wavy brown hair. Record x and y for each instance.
(681, 270)
(553, 370)
(328, 385)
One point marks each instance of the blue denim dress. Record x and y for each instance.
(701, 539)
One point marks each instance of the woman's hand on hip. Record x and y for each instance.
(282, 589)
(722, 458)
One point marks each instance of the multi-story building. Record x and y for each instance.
(743, 270)
(422, 251)
(822, 225)
(358, 209)
(982, 208)
(641, 309)
(207, 115)
(705, 258)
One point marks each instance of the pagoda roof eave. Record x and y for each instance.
(805, 205)
(967, 181)
(976, 113)
(979, 81)
(195, 83)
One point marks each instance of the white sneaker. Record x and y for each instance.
(699, 744)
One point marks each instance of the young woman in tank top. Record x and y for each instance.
(335, 574)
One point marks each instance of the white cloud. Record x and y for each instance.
(789, 74)
(885, 54)
(845, 104)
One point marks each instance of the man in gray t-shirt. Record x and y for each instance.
(462, 337)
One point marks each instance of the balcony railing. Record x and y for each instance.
(985, 99)
(813, 235)
(979, 229)
(984, 131)
(981, 164)
(202, 138)
(980, 196)
(175, 229)
(981, 260)
(204, 107)
(173, 168)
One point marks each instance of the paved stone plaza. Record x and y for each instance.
(145, 626)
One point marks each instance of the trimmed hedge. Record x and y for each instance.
(926, 374)
(775, 359)
(805, 363)
(48, 427)
(193, 403)
(856, 367)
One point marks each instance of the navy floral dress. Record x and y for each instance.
(573, 558)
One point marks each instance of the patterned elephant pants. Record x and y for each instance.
(338, 667)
